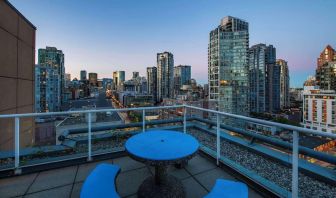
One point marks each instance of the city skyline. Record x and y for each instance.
(127, 42)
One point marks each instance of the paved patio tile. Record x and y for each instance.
(15, 186)
(76, 190)
(199, 164)
(132, 196)
(193, 189)
(54, 178)
(208, 178)
(129, 182)
(85, 169)
(59, 182)
(127, 163)
(60, 192)
(253, 194)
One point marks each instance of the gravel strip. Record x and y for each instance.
(267, 168)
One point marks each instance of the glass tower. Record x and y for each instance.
(264, 78)
(83, 75)
(284, 83)
(228, 65)
(165, 74)
(152, 82)
(118, 79)
(47, 81)
(182, 76)
(54, 58)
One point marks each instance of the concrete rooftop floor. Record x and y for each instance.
(198, 177)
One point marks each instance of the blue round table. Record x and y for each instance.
(161, 148)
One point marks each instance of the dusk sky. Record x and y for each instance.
(106, 35)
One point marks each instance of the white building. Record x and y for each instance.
(319, 108)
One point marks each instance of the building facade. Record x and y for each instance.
(326, 76)
(118, 79)
(264, 78)
(326, 69)
(54, 58)
(319, 107)
(47, 80)
(67, 80)
(327, 55)
(152, 82)
(93, 79)
(83, 75)
(17, 60)
(182, 76)
(135, 75)
(165, 74)
(284, 83)
(228, 65)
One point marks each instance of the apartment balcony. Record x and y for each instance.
(271, 165)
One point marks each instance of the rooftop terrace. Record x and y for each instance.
(198, 177)
(228, 150)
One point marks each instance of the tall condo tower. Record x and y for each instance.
(228, 65)
(284, 83)
(152, 82)
(264, 79)
(165, 75)
(118, 79)
(53, 58)
(83, 75)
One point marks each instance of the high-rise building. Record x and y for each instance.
(135, 75)
(228, 65)
(152, 82)
(182, 76)
(326, 76)
(17, 60)
(47, 81)
(118, 79)
(274, 85)
(284, 83)
(52, 57)
(93, 79)
(326, 67)
(327, 55)
(83, 75)
(206, 91)
(67, 79)
(165, 74)
(264, 78)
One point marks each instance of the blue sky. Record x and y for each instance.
(107, 35)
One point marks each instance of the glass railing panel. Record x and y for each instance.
(164, 119)
(44, 139)
(264, 153)
(7, 127)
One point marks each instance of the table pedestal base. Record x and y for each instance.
(169, 187)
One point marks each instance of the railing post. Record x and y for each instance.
(89, 138)
(143, 120)
(295, 171)
(184, 120)
(218, 139)
(17, 145)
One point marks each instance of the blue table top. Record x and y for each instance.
(161, 145)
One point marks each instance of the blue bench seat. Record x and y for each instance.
(228, 189)
(101, 182)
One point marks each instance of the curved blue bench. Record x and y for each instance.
(101, 182)
(228, 189)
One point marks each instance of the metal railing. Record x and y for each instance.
(295, 131)
(295, 134)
